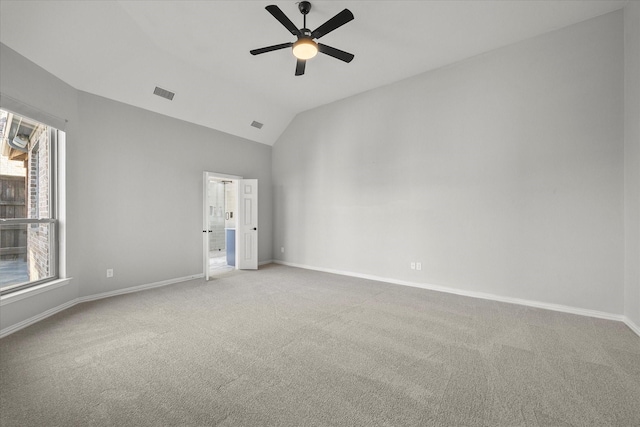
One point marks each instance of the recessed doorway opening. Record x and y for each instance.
(220, 223)
(230, 223)
(222, 220)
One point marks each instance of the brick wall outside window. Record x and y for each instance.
(38, 258)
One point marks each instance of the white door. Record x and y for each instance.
(247, 225)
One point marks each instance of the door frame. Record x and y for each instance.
(207, 176)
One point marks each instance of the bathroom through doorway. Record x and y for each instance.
(220, 223)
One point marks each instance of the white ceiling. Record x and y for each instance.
(200, 50)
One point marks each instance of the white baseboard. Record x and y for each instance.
(139, 288)
(555, 307)
(635, 328)
(30, 321)
(481, 295)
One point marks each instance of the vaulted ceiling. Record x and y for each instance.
(122, 50)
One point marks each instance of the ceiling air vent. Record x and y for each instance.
(163, 93)
(257, 124)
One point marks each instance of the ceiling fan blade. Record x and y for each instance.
(337, 21)
(336, 53)
(280, 16)
(270, 48)
(300, 64)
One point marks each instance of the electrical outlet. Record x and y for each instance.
(413, 265)
(418, 266)
(282, 249)
(109, 272)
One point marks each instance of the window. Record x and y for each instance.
(28, 220)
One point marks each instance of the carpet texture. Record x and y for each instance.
(291, 347)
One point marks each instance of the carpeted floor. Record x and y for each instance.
(291, 347)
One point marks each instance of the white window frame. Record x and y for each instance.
(53, 221)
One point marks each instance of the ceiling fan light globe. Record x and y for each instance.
(305, 48)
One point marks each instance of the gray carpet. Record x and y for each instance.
(290, 347)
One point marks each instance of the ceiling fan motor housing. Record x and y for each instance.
(304, 7)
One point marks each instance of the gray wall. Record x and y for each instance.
(134, 187)
(502, 174)
(632, 162)
(140, 175)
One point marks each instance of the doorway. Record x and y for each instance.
(222, 218)
(220, 223)
(230, 221)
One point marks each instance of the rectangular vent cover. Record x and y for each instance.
(256, 124)
(163, 93)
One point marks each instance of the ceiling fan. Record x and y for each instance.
(305, 47)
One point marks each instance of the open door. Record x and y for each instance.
(247, 225)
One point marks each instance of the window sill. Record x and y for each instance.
(29, 292)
